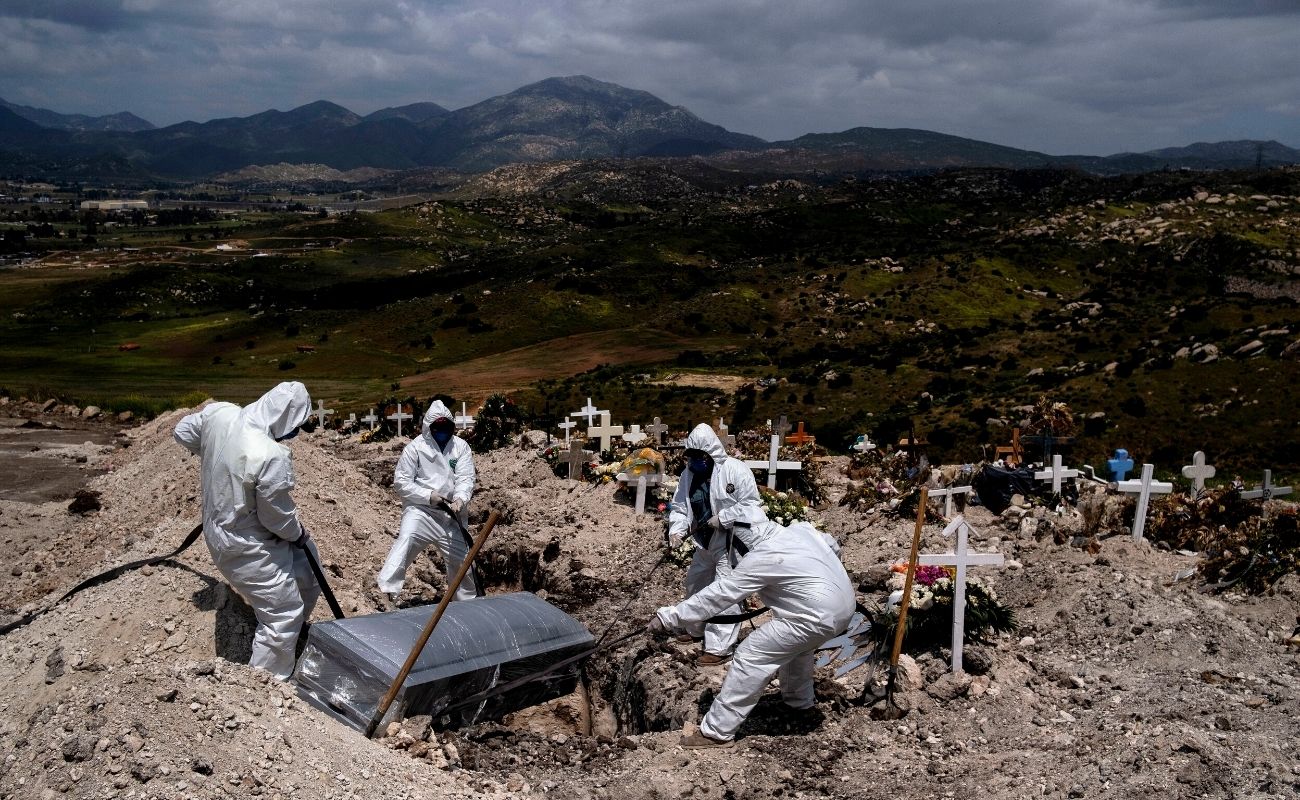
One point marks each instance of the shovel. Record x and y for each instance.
(324, 584)
(892, 710)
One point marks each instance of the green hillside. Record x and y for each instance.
(1167, 322)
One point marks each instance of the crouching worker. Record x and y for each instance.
(250, 522)
(798, 576)
(435, 479)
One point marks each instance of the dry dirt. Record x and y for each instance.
(1119, 683)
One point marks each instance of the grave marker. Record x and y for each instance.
(1143, 488)
(589, 411)
(566, 426)
(863, 444)
(1266, 491)
(634, 435)
(772, 464)
(604, 431)
(1198, 471)
(643, 482)
(947, 494)
(1120, 465)
(1014, 453)
(320, 412)
(961, 558)
(800, 437)
(1056, 474)
(370, 419)
(781, 428)
(575, 458)
(351, 421)
(463, 422)
(398, 417)
(727, 439)
(657, 430)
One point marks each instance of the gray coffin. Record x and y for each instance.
(348, 664)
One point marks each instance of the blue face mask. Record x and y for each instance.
(442, 437)
(700, 466)
(288, 435)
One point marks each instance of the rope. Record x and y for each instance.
(103, 577)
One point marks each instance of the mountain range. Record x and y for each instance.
(555, 119)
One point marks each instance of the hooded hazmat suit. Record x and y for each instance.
(249, 518)
(733, 497)
(427, 467)
(799, 577)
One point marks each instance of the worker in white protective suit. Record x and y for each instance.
(435, 479)
(250, 522)
(797, 574)
(715, 494)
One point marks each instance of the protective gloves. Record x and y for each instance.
(301, 541)
(456, 506)
(715, 521)
(675, 539)
(436, 499)
(656, 626)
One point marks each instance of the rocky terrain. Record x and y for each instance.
(1120, 681)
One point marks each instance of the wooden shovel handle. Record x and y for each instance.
(434, 618)
(911, 573)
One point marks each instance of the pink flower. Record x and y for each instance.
(926, 575)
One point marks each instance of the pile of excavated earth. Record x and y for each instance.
(1121, 681)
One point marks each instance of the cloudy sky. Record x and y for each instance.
(1060, 76)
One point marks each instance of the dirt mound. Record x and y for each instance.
(1119, 681)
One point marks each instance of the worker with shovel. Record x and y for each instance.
(250, 521)
(435, 479)
(798, 576)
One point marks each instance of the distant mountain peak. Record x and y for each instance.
(123, 121)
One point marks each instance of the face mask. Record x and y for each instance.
(700, 466)
(288, 435)
(442, 437)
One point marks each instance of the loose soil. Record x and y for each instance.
(1120, 682)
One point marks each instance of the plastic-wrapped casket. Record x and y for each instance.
(348, 664)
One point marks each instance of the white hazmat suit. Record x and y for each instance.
(427, 468)
(250, 521)
(799, 577)
(732, 497)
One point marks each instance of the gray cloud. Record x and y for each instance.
(1060, 76)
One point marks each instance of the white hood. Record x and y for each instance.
(278, 412)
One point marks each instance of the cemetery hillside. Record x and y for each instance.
(1161, 307)
(1039, 423)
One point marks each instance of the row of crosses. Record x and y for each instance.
(463, 420)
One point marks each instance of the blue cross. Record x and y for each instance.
(1120, 465)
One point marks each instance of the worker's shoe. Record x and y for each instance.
(712, 659)
(686, 638)
(698, 741)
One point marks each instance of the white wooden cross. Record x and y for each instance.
(320, 412)
(643, 481)
(728, 439)
(863, 444)
(370, 419)
(1056, 474)
(566, 426)
(576, 457)
(781, 428)
(657, 430)
(463, 422)
(634, 435)
(947, 493)
(398, 417)
(1143, 487)
(961, 558)
(1198, 471)
(1267, 490)
(772, 465)
(351, 421)
(589, 411)
(604, 431)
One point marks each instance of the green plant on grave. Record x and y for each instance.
(1051, 419)
(497, 421)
